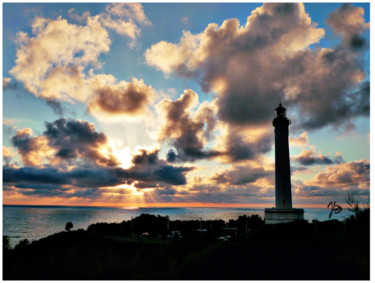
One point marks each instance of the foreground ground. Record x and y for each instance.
(321, 250)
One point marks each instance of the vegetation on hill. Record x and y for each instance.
(142, 249)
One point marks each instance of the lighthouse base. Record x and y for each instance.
(277, 216)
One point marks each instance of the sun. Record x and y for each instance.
(121, 152)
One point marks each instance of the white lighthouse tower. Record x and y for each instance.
(284, 212)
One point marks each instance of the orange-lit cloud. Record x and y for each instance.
(53, 62)
(7, 155)
(123, 18)
(299, 141)
(37, 57)
(34, 151)
(91, 172)
(6, 82)
(353, 173)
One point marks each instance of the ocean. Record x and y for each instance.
(35, 222)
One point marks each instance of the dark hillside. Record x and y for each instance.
(321, 250)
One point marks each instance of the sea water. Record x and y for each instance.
(35, 222)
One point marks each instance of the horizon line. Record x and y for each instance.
(164, 205)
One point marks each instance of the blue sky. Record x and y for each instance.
(162, 79)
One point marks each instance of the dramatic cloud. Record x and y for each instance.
(129, 98)
(187, 130)
(148, 171)
(250, 67)
(49, 181)
(74, 139)
(238, 143)
(309, 157)
(348, 21)
(64, 140)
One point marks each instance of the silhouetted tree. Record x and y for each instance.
(6, 243)
(22, 243)
(353, 204)
(68, 226)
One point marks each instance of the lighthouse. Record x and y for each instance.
(283, 211)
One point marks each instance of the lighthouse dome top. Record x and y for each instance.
(280, 111)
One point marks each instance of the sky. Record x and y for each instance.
(171, 104)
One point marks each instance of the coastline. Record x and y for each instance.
(337, 251)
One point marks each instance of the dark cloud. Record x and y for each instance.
(348, 21)
(78, 139)
(78, 143)
(328, 92)
(98, 176)
(56, 106)
(124, 98)
(145, 158)
(171, 156)
(150, 169)
(294, 169)
(237, 148)
(34, 175)
(22, 140)
(52, 190)
(143, 175)
(64, 140)
(309, 157)
(357, 43)
(187, 132)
